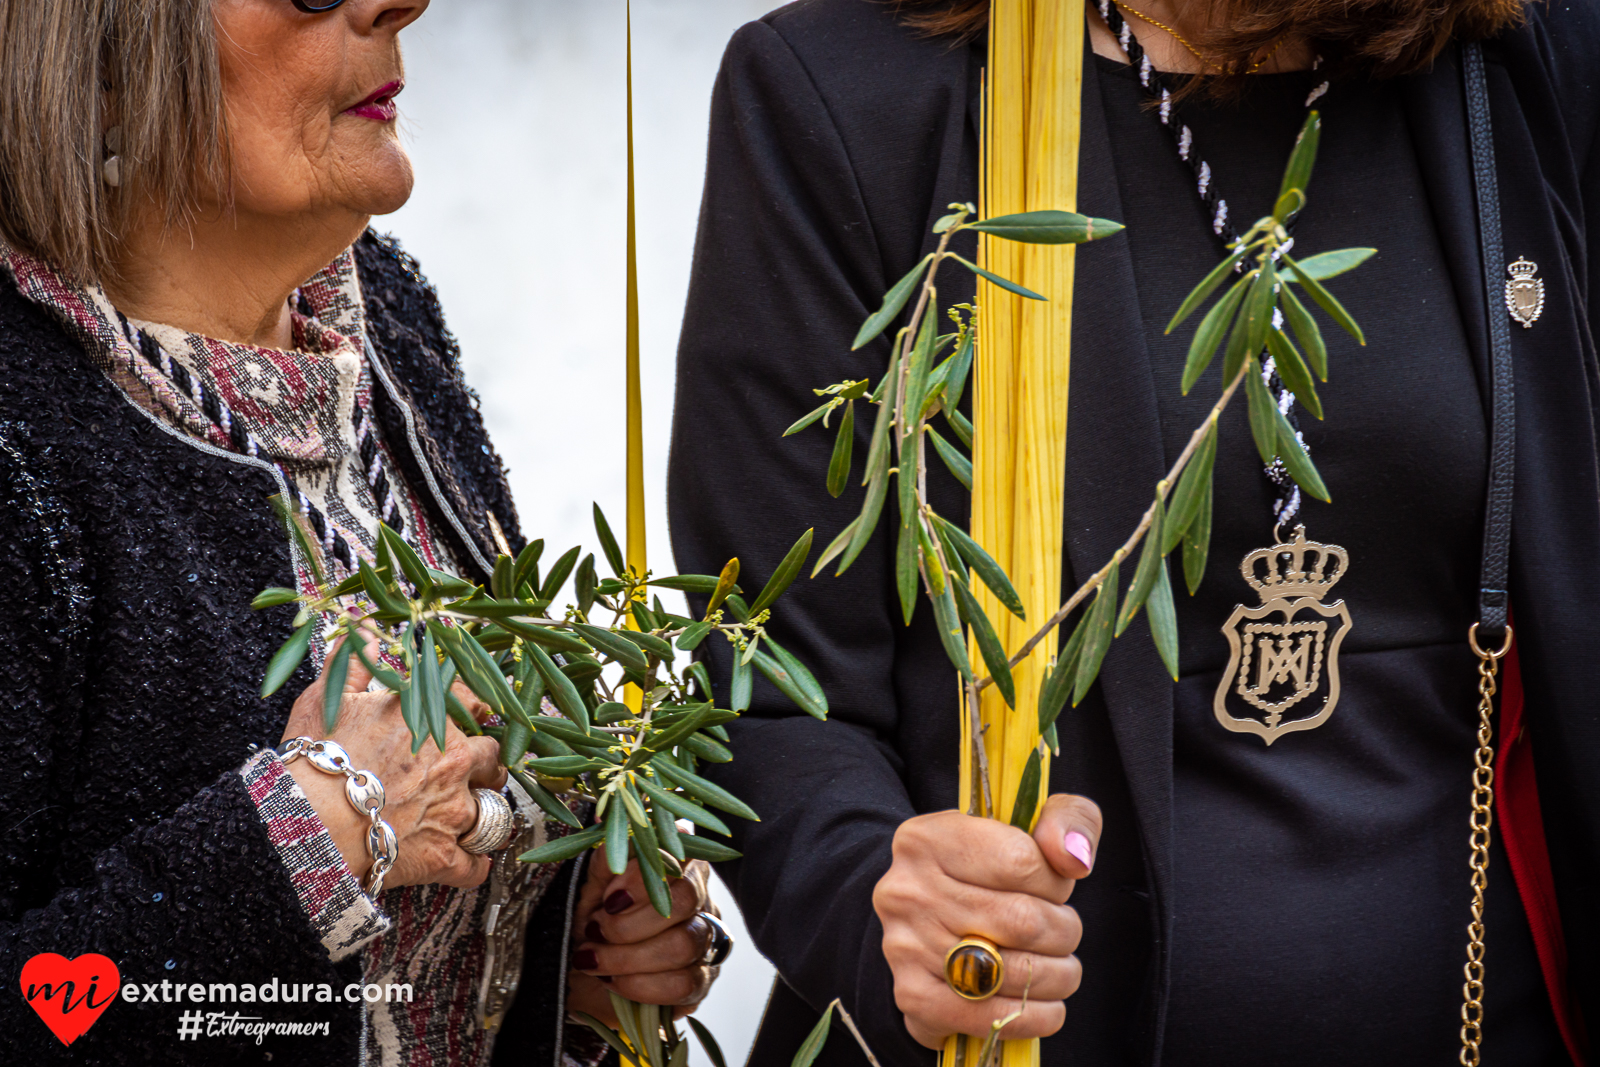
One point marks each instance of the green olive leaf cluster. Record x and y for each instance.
(555, 681)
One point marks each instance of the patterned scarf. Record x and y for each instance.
(308, 414)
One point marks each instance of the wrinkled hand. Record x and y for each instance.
(429, 799)
(628, 948)
(954, 876)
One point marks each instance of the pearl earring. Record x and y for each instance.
(111, 169)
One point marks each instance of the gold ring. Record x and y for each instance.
(974, 968)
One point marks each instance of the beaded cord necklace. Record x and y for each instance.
(1287, 504)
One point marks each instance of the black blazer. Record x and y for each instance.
(128, 559)
(838, 137)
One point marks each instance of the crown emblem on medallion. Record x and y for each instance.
(1296, 568)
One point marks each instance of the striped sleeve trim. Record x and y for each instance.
(344, 917)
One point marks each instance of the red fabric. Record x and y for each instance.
(1516, 809)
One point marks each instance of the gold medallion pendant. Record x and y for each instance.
(1524, 292)
(1285, 653)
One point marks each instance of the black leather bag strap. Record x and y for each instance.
(1494, 599)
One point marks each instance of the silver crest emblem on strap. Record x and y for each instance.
(1525, 292)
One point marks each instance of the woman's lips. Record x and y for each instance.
(379, 107)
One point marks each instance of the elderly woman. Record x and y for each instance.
(194, 318)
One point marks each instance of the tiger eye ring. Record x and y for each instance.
(974, 968)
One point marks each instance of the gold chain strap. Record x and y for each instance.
(1482, 822)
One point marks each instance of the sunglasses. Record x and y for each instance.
(316, 7)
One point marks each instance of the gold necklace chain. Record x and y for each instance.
(1204, 61)
(1482, 823)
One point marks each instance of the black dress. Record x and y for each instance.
(1299, 904)
(1311, 873)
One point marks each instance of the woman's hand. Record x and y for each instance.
(429, 798)
(954, 876)
(629, 949)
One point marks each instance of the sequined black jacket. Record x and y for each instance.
(128, 559)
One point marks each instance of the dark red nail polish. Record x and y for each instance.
(592, 932)
(585, 960)
(619, 902)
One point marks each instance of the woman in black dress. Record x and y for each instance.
(1305, 903)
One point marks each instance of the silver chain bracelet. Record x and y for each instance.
(365, 793)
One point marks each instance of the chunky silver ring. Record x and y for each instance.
(494, 826)
(721, 945)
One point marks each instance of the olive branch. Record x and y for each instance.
(1252, 320)
(554, 682)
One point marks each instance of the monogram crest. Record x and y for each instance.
(1524, 292)
(1283, 669)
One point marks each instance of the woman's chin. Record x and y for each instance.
(384, 187)
(371, 175)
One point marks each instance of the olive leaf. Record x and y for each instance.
(1006, 284)
(1208, 285)
(994, 655)
(1326, 265)
(1203, 348)
(984, 565)
(1326, 301)
(1197, 543)
(1047, 227)
(788, 569)
(1187, 497)
(843, 444)
(893, 302)
(959, 465)
(608, 543)
(1027, 801)
(1303, 157)
(287, 659)
(1100, 620)
(1144, 577)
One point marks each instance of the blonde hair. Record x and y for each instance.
(69, 71)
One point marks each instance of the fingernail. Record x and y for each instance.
(592, 932)
(1078, 845)
(585, 960)
(619, 902)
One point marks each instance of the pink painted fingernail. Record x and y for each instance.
(1078, 846)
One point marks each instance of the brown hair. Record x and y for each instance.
(69, 71)
(1382, 38)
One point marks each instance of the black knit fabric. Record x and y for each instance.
(128, 559)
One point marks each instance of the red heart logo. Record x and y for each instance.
(67, 993)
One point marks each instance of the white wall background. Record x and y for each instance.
(514, 113)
